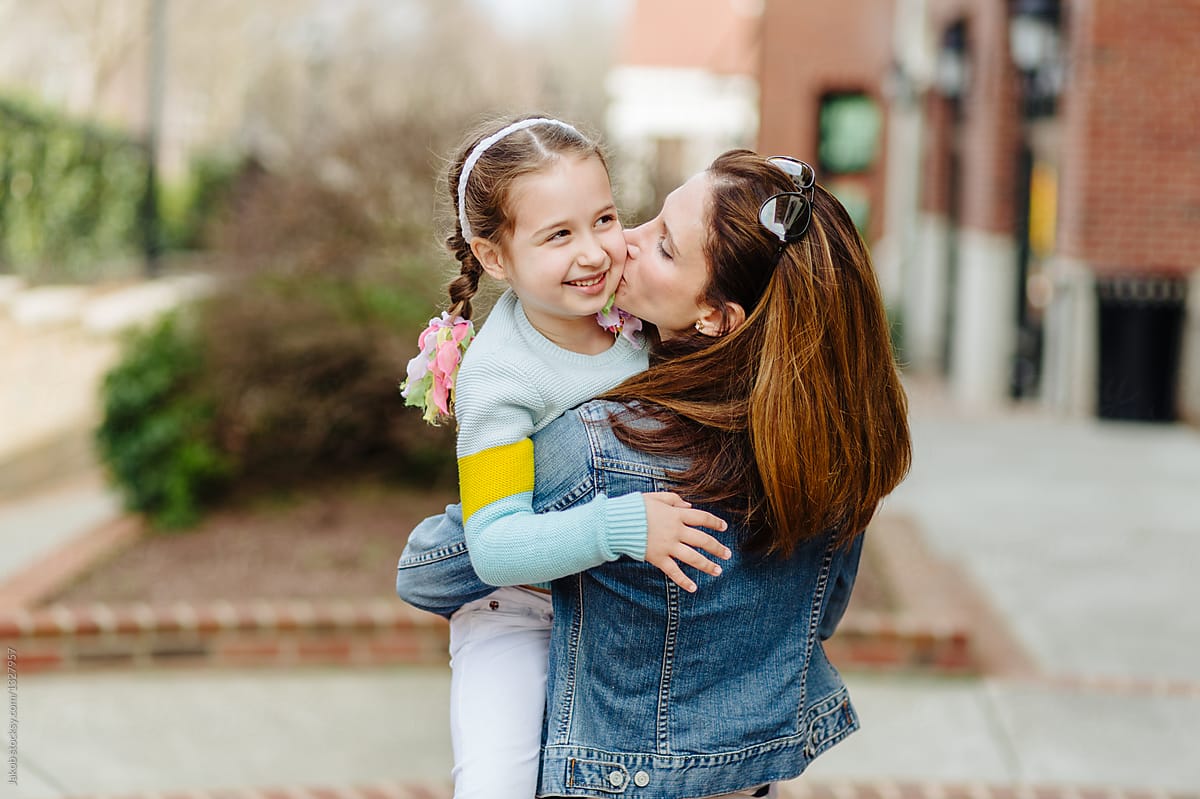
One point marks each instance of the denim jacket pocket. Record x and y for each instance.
(828, 722)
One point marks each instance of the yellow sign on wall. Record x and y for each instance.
(1043, 209)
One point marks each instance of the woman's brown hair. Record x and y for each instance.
(489, 188)
(795, 419)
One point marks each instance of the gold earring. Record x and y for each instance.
(699, 327)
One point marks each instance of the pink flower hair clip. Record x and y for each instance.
(431, 373)
(620, 323)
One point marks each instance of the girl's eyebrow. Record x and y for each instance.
(547, 228)
(610, 208)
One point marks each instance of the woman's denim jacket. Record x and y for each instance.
(655, 693)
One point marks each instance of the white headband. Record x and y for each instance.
(479, 150)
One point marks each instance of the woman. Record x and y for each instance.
(772, 399)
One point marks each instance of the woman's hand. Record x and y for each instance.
(671, 536)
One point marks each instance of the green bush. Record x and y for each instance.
(157, 433)
(289, 374)
(332, 278)
(188, 207)
(316, 394)
(69, 194)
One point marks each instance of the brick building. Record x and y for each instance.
(1036, 211)
(817, 60)
(682, 91)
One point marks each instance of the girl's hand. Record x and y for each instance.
(671, 535)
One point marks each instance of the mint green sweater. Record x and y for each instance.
(513, 382)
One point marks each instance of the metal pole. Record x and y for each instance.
(156, 81)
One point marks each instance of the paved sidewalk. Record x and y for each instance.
(58, 342)
(36, 525)
(1083, 534)
(145, 732)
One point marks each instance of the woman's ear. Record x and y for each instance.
(719, 321)
(489, 256)
(735, 315)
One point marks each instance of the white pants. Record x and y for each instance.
(498, 651)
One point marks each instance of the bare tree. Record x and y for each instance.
(277, 75)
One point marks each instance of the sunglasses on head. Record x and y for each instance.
(788, 214)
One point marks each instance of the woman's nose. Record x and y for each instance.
(633, 235)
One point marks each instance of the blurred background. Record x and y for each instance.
(219, 237)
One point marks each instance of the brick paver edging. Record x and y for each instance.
(363, 632)
(366, 632)
(799, 789)
(900, 642)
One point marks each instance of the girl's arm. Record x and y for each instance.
(435, 573)
(510, 545)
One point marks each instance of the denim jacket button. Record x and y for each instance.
(616, 778)
(641, 779)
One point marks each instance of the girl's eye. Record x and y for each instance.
(663, 250)
(605, 220)
(558, 234)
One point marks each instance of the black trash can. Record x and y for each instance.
(1141, 338)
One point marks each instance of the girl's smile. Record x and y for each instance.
(565, 253)
(591, 285)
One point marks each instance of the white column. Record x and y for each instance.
(925, 295)
(908, 269)
(1071, 343)
(897, 247)
(984, 335)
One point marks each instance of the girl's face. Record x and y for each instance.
(566, 252)
(666, 273)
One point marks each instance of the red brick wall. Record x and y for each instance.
(1130, 193)
(989, 128)
(935, 154)
(809, 50)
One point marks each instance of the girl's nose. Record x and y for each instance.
(591, 253)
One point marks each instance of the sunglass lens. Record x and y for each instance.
(801, 173)
(785, 215)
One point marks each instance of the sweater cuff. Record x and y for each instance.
(625, 520)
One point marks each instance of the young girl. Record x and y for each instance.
(534, 209)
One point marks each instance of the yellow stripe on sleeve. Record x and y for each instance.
(494, 474)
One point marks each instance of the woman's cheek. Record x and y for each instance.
(616, 272)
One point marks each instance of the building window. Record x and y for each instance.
(850, 124)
